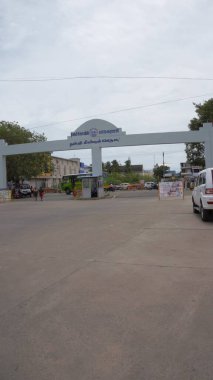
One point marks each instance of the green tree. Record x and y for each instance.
(115, 166)
(159, 171)
(195, 151)
(128, 166)
(24, 166)
(107, 167)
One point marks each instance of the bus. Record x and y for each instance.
(73, 182)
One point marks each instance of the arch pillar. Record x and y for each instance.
(96, 161)
(3, 172)
(208, 143)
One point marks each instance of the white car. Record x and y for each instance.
(149, 185)
(124, 186)
(202, 195)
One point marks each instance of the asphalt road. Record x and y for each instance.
(119, 288)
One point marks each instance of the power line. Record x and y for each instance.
(120, 110)
(54, 79)
(156, 153)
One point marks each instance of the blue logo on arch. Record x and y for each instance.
(93, 132)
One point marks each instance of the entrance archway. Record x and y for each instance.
(96, 134)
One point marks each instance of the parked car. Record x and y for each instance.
(124, 186)
(155, 185)
(202, 194)
(150, 185)
(117, 187)
(25, 190)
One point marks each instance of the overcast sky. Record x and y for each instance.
(68, 38)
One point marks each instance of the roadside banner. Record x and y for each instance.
(171, 190)
(5, 195)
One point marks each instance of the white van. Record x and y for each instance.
(202, 195)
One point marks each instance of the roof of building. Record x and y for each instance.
(66, 159)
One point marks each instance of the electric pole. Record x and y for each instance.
(163, 164)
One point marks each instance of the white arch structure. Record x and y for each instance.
(97, 134)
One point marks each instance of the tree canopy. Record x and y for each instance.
(195, 151)
(128, 168)
(115, 166)
(24, 166)
(107, 167)
(159, 171)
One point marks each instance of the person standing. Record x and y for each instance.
(41, 193)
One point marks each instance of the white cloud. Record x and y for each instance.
(89, 37)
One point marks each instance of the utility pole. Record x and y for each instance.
(163, 164)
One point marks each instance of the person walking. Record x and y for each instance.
(41, 193)
(35, 193)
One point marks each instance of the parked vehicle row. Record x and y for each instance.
(128, 186)
(121, 186)
(21, 191)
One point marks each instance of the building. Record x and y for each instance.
(133, 168)
(64, 166)
(170, 174)
(189, 171)
(148, 172)
(60, 167)
(85, 169)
